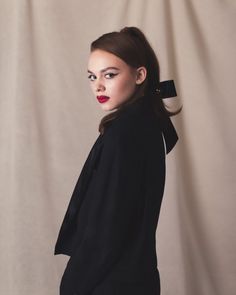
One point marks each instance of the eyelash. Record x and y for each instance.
(111, 74)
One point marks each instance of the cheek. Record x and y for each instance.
(125, 85)
(92, 87)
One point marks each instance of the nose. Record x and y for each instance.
(99, 86)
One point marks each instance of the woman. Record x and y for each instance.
(110, 224)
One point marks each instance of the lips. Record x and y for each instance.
(102, 98)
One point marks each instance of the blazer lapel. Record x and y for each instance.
(67, 231)
(85, 175)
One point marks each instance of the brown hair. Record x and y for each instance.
(131, 45)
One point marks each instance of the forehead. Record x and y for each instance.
(100, 59)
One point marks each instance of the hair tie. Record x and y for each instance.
(166, 89)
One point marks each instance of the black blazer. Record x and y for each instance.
(109, 228)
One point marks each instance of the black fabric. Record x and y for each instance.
(167, 89)
(169, 133)
(110, 224)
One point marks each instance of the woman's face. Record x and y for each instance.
(111, 79)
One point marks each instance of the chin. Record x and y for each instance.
(107, 107)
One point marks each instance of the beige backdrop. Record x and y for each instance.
(49, 120)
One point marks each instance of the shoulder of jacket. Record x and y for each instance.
(139, 127)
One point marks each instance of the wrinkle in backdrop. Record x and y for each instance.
(49, 120)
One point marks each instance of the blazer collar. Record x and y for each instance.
(142, 104)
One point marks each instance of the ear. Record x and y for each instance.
(141, 75)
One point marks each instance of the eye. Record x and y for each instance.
(91, 77)
(110, 75)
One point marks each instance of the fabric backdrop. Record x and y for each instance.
(49, 121)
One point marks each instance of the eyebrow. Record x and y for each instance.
(104, 70)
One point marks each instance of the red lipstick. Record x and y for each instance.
(102, 98)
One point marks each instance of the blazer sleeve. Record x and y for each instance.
(115, 215)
